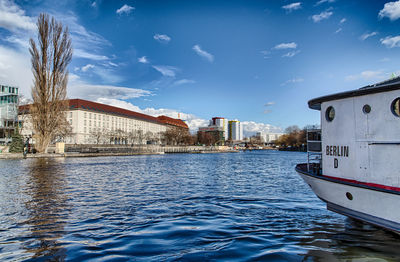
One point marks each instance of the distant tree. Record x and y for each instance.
(292, 129)
(98, 135)
(50, 57)
(294, 137)
(140, 137)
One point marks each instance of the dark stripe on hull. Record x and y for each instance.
(354, 183)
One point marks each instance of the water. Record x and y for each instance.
(192, 207)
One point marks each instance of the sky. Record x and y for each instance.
(255, 61)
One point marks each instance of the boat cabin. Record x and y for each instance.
(360, 134)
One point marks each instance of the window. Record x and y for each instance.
(85, 114)
(84, 122)
(396, 107)
(366, 109)
(70, 114)
(330, 114)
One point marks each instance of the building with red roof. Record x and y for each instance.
(93, 122)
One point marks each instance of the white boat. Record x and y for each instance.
(354, 159)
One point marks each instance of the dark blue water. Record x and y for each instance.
(191, 207)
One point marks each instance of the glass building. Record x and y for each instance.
(8, 112)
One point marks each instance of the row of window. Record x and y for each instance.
(8, 99)
(9, 89)
(394, 107)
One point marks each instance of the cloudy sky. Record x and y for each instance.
(255, 61)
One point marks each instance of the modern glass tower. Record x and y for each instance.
(8, 112)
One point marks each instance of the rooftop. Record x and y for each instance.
(75, 104)
(384, 86)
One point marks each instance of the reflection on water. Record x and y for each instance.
(47, 209)
(234, 207)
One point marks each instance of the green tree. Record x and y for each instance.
(17, 143)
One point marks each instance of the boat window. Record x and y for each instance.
(366, 109)
(330, 114)
(396, 107)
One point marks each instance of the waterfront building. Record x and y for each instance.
(235, 129)
(211, 135)
(93, 123)
(8, 112)
(220, 122)
(268, 137)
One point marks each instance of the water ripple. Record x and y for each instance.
(232, 207)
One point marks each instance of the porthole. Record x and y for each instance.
(349, 196)
(366, 109)
(330, 114)
(396, 107)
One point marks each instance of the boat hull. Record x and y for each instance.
(375, 206)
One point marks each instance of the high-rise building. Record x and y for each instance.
(8, 112)
(235, 130)
(220, 122)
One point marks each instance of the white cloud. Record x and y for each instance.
(13, 18)
(15, 69)
(293, 81)
(338, 31)
(385, 59)
(86, 44)
(125, 9)
(322, 16)
(291, 7)
(81, 89)
(84, 54)
(390, 41)
(203, 53)
(291, 53)
(162, 38)
(191, 120)
(291, 45)
(87, 67)
(166, 70)
(367, 75)
(143, 60)
(324, 1)
(184, 82)
(367, 35)
(343, 20)
(194, 122)
(250, 128)
(390, 10)
(270, 103)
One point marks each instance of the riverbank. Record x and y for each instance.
(100, 154)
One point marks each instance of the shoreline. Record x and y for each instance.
(67, 155)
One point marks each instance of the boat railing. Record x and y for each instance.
(314, 151)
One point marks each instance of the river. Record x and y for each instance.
(192, 207)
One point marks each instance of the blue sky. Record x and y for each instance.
(255, 61)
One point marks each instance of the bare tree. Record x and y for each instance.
(97, 134)
(50, 57)
(140, 137)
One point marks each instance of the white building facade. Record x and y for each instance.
(268, 137)
(235, 130)
(8, 112)
(222, 123)
(93, 123)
